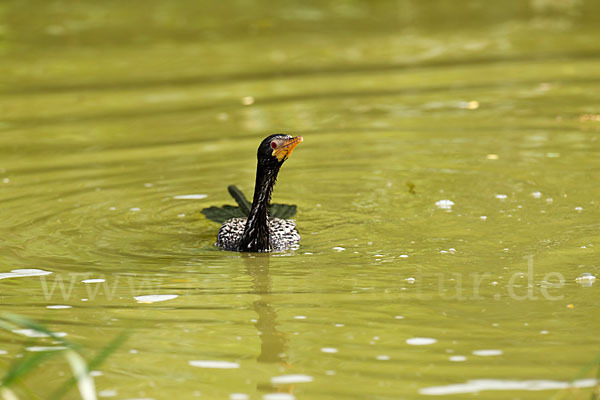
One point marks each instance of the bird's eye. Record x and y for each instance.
(273, 145)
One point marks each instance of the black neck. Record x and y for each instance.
(256, 233)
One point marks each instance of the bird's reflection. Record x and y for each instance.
(272, 342)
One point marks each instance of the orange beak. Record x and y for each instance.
(285, 150)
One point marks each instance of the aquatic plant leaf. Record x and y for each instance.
(225, 212)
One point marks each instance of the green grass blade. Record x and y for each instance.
(85, 382)
(24, 365)
(26, 323)
(588, 367)
(94, 363)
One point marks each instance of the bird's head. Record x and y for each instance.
(275, 149)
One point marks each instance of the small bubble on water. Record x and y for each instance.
(457, 358)
(501, 196)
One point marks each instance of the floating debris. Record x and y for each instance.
(586, 279)
(153, 298)
(420, 341)
(478, 385)
(444, 204)
(487, 353)
(338, 248)
(469, 105)
(590, 117)
(36, 334)
(99, 280)
(329, 350)
(501, 196)
(492, 156)
(45, 348)
(214, 364)
(21, 273)
(248, 100)
(294, 378)
(190, 197)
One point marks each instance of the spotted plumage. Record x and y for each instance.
(282, 234)
(258, 232)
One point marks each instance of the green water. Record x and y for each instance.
(111, 110)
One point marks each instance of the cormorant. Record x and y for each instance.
(259, 233)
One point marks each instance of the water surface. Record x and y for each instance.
(446, 190)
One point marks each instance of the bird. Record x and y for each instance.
(258, 232)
